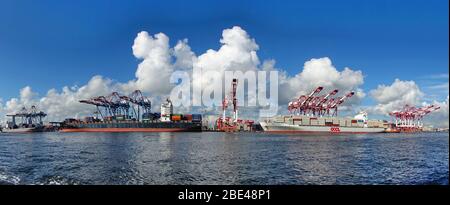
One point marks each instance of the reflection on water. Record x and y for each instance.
(223, 158)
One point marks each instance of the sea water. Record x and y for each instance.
(223, 158)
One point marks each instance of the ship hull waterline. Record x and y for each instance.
(297, 129)
(22, 130)
(133, 127)
(128, 130)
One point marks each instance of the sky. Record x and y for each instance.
(51, 44)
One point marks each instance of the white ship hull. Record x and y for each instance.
(287, 128)
(22, 130)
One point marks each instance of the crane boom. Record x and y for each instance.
(324, 99)
(342, 99)
(317, 90)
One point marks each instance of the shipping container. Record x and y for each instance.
(196, 117)
(321, 121)
(187, 117)
(175, 117)
(305, 122)
(89, 119)
(348, 122)
(290, 121)
(149, 116)
(70, 120)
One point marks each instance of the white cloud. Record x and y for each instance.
(440, 117)
(440, 87)
(26, 94)
(437, 76)
(435, 86)
(395, 96)
(184, 56)
(26, 98)
(59, 105)
(321, 72)
(400, 93)
(238, 52)
(153, 73)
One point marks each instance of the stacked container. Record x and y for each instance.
(120, 117)
(89, 119)
(175, 117)
(187, 117)
(196, 117)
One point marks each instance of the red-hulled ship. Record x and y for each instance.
(125, 116)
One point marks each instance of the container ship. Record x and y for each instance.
(318, 114)
(309, 124)
(25, 121)
(125, 116)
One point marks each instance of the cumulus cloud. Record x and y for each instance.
(59, 105)
(154, 71)
(184, 56)
(321, 72)
(395, 96)
(400, 93)
(26, 98)
(26, 94)
(438, 118)
(237, 52)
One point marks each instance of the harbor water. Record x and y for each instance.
(223, 158)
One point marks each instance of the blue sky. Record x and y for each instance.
(51, 44)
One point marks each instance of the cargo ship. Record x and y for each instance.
(22, 129)
(25, 121)
(123, 121)
(133, 126)
(309, 124)
(318, 114)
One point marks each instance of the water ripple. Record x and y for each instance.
(222, 158)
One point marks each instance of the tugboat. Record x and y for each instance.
(392, 128)
(28, 121)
